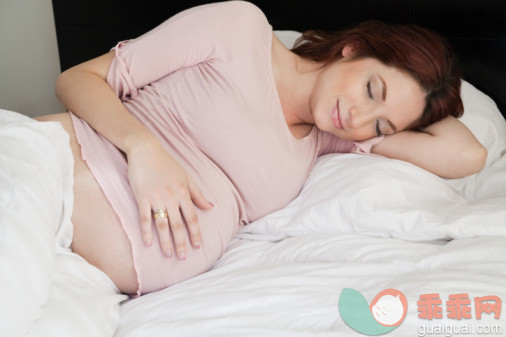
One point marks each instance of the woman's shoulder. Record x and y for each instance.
(243, 13)
(246, 7)
(245, 27)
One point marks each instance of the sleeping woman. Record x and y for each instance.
(208, 122)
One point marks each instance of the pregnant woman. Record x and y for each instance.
(208, 122)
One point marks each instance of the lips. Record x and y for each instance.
(336, 116)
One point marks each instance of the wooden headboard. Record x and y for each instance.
(475, 28)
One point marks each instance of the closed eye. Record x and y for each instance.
(378, 132)
(369, 89)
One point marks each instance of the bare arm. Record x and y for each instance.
(447, 149)
(157, 179)
(84, 91)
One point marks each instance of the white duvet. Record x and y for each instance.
(45, 289)
(361, 221)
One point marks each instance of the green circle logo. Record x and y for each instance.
(386, 311)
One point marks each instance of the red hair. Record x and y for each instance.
(422, 53)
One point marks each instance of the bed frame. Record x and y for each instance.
(475, 28)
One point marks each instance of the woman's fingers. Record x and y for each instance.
(170, 225)
(197, 196)
(192, 222)
(176, 213)
(177, 229)
(162, 226)
(189, 213)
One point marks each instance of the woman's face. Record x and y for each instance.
(362, 98)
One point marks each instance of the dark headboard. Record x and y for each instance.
(475, 28)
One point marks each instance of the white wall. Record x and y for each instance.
(29, 62)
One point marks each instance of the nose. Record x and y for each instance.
(361, 115)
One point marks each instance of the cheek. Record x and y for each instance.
(361, 134)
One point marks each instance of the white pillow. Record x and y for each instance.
(483, 118)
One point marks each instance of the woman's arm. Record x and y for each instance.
(446, 148)
(84, 91)
(157, 180)
(91, 91)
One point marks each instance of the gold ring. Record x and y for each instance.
(160, 213)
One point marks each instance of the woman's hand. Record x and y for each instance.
(159, 182)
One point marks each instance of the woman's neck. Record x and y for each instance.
(295, 78)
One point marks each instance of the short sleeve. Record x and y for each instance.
(216, 31)
(333, 144)
(366, 145)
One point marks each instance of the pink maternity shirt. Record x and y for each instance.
(203, 83)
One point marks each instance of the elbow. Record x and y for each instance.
(68, 83)
(476, 159)
(472, 162)
(480, 158)
(58, 88)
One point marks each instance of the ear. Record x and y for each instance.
(347, 50)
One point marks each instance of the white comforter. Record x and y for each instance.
(361, 222)
(46, 289)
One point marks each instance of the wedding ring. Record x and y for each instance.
(160, 213)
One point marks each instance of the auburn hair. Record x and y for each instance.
(422, 53)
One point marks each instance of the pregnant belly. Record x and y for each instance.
(98, 235)
(108, 234)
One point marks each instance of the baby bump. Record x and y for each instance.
(106, 220)
(98, 236)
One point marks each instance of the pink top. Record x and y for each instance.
(217, 90)
(203, 83)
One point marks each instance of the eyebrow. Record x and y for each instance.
(384, 93)
(384, 96)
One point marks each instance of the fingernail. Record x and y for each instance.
(168, 254)
(197, 244)
(148, 243)
(182, 256)
(211, 204)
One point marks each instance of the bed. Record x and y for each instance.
(294, 272)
